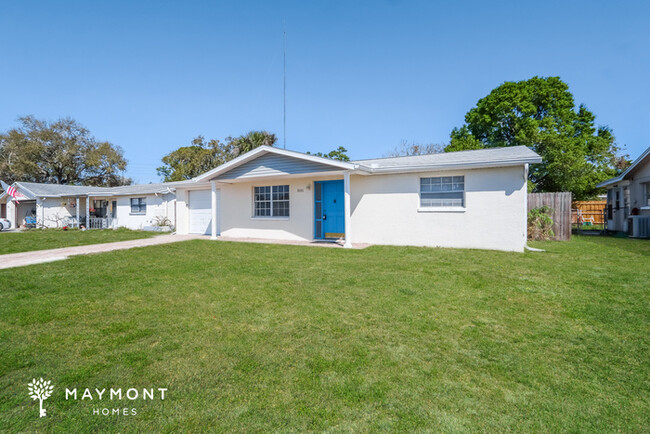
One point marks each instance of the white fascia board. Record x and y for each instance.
(22, 187)
(622, 176)
(148, 193)
(230, 164)
(97, 193)
(610, 182)
(454, 166)
(268, 149)
(289, 176)
(636, 162)
(195, 186)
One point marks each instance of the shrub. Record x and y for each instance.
(161, 221)
(540, 224)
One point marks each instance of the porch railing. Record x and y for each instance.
(70, 222)
(100, 223)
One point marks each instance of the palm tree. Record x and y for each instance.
(252, 140)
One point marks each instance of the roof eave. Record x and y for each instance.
(627, 171)
(454, 166)
(610, 181)
(22, 187)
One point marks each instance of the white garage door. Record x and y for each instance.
(200, 212)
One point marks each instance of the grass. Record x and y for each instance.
(588, 227)
(251, 337)
(41, 239)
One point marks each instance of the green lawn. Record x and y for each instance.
(251, 337)
(41, 239)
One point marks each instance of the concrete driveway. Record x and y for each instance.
(39, 256)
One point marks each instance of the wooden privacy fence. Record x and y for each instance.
(592, 211)
(560, 204)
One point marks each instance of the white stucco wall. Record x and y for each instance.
(51, 212)
(157, 205)
(182, 215)
(637, 194)
(385, 210)
(636, 187)
(11, 212)
(237, 211)
(55, 212)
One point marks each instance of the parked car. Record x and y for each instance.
(4, 224)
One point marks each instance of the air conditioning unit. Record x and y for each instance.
(638, 226)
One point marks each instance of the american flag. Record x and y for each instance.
(11, 191)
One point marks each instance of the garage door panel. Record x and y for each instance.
(200, 212)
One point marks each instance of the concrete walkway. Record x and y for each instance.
(39, 256)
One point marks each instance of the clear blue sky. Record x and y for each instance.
(151, 75)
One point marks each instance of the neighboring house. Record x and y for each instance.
(629, 194)
(54, 205)
(470, 199)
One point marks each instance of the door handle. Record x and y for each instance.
(324, 216)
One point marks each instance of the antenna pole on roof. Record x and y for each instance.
(284, 84)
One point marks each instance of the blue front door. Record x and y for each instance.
(329, 211)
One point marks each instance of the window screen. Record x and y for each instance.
(442, 191)
(271, 201)
(138, 205)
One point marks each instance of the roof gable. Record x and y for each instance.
(636, 164)
(269, 161)
(274, 165)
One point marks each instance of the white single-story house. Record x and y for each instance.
(628, 197)
(54, 205)
(468, 199)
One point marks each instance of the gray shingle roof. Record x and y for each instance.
(493, 157)
(58, 190)
(478, 158)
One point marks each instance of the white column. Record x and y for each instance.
(40, 202)
(213, 232)
(77, 208)
(348, 229)
(12, 212)
(87, 212)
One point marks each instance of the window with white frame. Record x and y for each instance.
(138, 205)
(442, 191)
(647, 194)
(271, 201)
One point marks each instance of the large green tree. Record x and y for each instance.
(203, 155)
(541, 113)
(60, 152)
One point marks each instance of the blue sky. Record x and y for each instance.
(151, 75)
